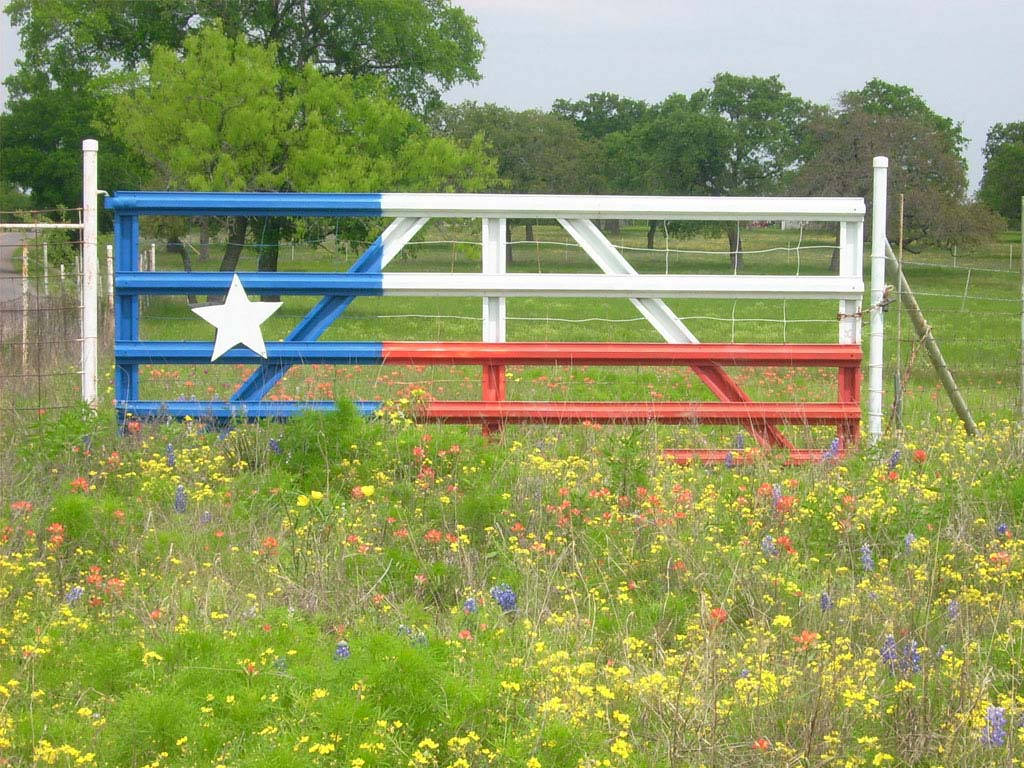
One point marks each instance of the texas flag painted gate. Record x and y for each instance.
(618, 279)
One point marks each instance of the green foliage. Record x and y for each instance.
(1002, 185)
(600, 114)
(314, 443)
(925, 165)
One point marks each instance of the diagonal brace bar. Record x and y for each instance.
(664, 320)
(330, 308)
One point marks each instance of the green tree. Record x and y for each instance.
(418, 47)
(768, 130)
(535, 151)
(1002, 184)
(599, 114)
(226, 116)
(924, 166)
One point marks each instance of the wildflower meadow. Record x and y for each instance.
(336, 591)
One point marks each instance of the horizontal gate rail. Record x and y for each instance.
(505, 353)
(507, 285)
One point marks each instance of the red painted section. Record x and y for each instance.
(743, 413)
(572, 353)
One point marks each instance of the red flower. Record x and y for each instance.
(786, 543)
(432, 536)
(806, 639)
(465, 634)
(719, 615)
(268, 546)
(762, 744)
(920, 456)
(80, 485)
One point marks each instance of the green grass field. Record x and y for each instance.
(334, 591)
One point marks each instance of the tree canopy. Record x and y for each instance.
(1002, 185)
(924, 164)
(418, 48)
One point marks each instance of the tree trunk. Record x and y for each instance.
(833, 265)
(233, 250)
(735, 248)
(652, 227)
(174, 245)
(508, 244)
(204, 238)
(269, 250)
(529, 231)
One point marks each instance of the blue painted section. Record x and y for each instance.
(244, 204)
(279, 353)
(338, 291)
(291, 283)
(220, 411)
(310, 328)
(126, 308)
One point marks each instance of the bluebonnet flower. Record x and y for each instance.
(416, 636)
(87, 442)
(1002, 528)
(888, 653)
(832, 452)
(170, 455)
(505, 597)
(894, 460)
(994, 732)
(342, 651)
(744, 672)
(826, 602)
(205, 516)
(738, 442)
(953, 610)
(470, 606)
(911, 660)
(867, 560)
(73, 594)
(908, 540)
(769, 547)
(274, 446)
(776, 495)
(180, 499)
(730, 462)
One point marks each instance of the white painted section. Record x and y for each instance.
(851, 257)
(622, 207)
(493, 239)
(397, 235)
(622, 286)
(612, 262)
(878, 210)
(46, 268)
(90, 270)
(24, 309)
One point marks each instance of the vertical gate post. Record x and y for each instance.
(90, 268)
(879, 202)
(493, 263)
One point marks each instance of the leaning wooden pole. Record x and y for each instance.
(924, 333)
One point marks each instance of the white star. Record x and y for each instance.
(238, 320)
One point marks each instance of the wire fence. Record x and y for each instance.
(973, 303)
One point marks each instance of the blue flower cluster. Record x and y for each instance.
(905, 660)
(769, 547)
(170, 455)
(994, 732)
(867, 559)
(180, 499)
(505, 597)
(342, 651)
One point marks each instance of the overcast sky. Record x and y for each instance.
(962, 56)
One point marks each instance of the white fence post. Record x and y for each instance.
(879, 203)
(46, 268)
(494, 264)
(152, 257)
(90, 267)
